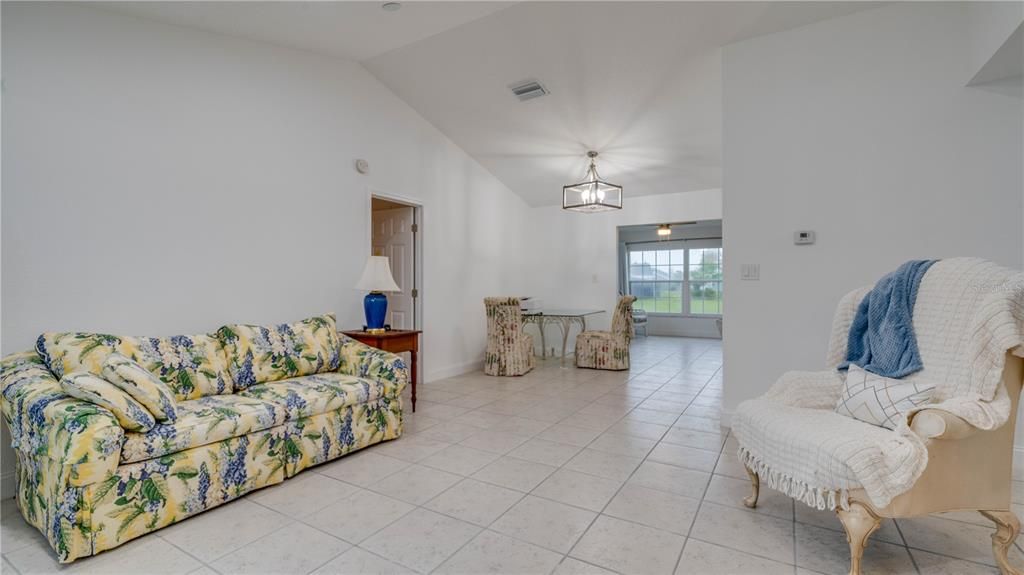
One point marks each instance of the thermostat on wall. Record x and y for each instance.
(804, 238)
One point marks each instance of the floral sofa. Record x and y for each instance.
(254, 406)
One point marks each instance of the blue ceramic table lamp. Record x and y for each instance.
(376, 278)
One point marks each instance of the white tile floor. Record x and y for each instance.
(562, 471)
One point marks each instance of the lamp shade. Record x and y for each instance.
(377, 276)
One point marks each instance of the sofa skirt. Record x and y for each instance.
(50, 504)
(320, 438)
(142, 497)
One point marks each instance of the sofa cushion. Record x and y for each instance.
(789, 440)
(129, 413)
(192, 365)
(142, 385)
(260, 354)
(200, 422)
(315, 394)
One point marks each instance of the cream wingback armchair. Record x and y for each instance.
(608, 349)
(953, 454)
(509, 349)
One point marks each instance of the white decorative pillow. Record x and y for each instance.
(880, 400)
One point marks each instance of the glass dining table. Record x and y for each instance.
(565, 319)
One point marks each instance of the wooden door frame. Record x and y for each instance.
(417, 218)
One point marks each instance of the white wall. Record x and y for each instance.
(859, 128)
(162, 180)
(575, 256)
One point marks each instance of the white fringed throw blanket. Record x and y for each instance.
(968, 314)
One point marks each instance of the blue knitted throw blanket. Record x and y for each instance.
(882, 338)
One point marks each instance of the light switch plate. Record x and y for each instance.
(750, 271)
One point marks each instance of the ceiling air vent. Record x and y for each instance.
(528, 90)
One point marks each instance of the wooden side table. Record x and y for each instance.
(394, 341)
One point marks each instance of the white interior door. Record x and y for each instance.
(393, 237)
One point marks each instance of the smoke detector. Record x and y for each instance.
(528, 90)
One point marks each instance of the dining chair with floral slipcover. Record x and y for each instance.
(608, 349)
(509, 349)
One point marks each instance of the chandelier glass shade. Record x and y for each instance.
(592, 195)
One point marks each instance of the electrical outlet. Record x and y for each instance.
(750, 272)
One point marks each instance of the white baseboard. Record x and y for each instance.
(453, 370)
(682, 335)
(7, 485)
(725, 419)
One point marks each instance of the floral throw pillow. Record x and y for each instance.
(143, 386)
(129, 413)
(261, 354)
(193, 366)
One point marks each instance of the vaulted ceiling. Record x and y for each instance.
(351, 30)
(640, 82)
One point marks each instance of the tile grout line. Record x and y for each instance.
(222, 506)
(303, 520)
(644, 460)
(531, 494)
(524, 495)
(299, 521)
(906, 545)
(201, 562)
(598, 513)
(527, 494)
(700, 504)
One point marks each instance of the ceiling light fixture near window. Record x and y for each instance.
(391, 6)
(664, 230)
(592, 195)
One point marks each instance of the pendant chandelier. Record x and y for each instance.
(593, 195)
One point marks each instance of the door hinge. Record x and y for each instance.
(415, 293)
(415, 228)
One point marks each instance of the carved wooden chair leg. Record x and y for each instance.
(1007, 528)
(859, 522)
(755, 484)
